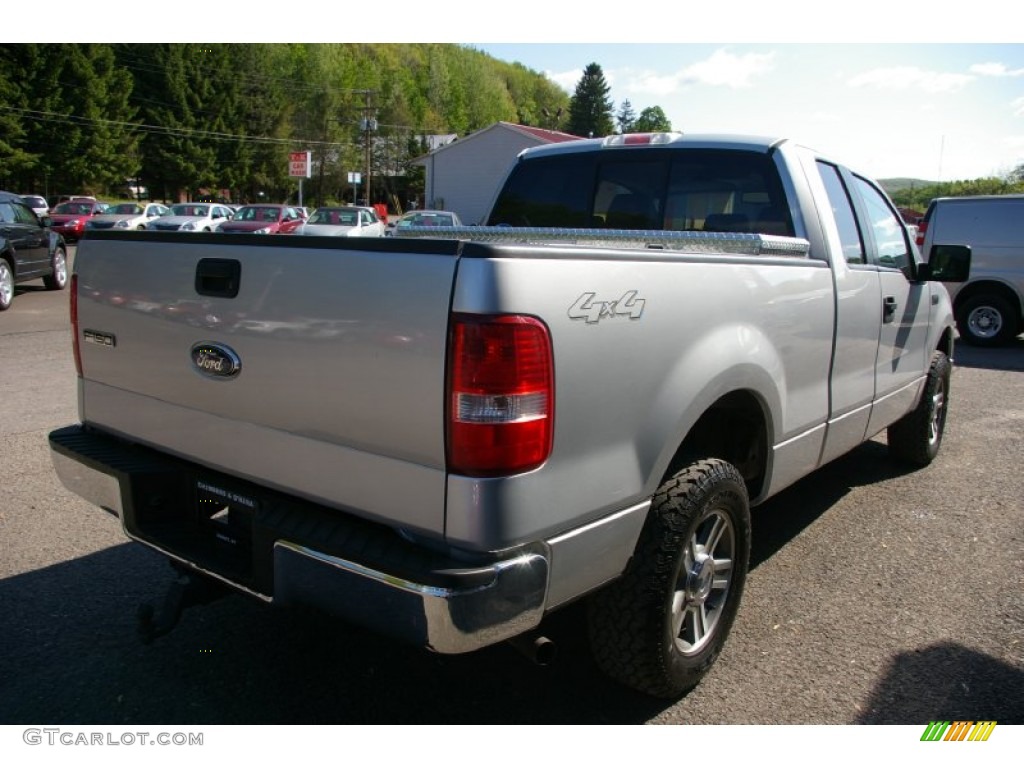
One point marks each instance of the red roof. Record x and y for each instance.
(552, 137)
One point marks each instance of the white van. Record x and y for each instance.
(989, 306)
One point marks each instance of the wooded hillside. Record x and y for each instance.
(85, 118)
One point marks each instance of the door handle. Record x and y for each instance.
(889, 309)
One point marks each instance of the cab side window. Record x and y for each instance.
(842, 209)
(887, 228)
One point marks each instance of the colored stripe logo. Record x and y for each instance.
(959, 730)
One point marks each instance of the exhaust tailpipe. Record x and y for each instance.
(537, 648)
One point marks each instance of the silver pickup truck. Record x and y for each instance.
(446, 438)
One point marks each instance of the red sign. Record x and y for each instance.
(299, 164)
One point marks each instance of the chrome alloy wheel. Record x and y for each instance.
(60, 268)
(6, 284)
(703, 583)
(938, 412)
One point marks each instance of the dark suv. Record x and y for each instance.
(28, 249)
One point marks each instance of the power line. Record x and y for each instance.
(57, 117)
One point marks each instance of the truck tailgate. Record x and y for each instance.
(340, 351)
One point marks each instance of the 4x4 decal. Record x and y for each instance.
(586, 308)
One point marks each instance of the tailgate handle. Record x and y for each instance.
(218, 277)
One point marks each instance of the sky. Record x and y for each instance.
(933, 92)
(938, 112)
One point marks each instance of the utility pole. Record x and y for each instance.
(369, 125)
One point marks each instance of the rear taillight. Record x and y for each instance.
(74, 325)
(500, 395)
(922, 226)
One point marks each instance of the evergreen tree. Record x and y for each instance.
(17, 158)
(590, 109)
(651, 120)
(626, 118)
(74, 126)
(102, 100)
(177, 157)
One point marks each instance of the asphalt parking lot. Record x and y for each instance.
(876, 596)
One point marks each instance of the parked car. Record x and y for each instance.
(127, 216)
(263, 220)
(346, 221)
(29, 249)
(191, 217)
(69, 219)
(56, 200)
(989, 305)
(37, 203)
(425, 219)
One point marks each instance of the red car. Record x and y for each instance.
(69, 218)
(263, 220)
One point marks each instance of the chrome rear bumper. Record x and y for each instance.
(293, 552)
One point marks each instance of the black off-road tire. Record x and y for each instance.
(916, 438)
(690, 565)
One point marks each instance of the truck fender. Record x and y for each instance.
(741, 373)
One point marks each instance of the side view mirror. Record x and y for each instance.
(947, 264)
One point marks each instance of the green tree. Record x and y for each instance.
(651, 120)
(74, 121)
(626, 117)
(178, 155)
(180, 116)
(18, 161)
(590, 109)
(243, 118)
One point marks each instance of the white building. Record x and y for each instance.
(464, 175)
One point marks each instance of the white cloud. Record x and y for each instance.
(728, 69)
(994, 69)
(722, 69)
(649, 83)
(567, 80)
(1018, 107)
(906, 78)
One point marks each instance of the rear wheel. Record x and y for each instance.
(988, 320)
(660, 627)
(58, 280)
(915, 439)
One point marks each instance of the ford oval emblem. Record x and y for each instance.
(216, 360)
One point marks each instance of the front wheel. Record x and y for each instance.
(661, 625)
(6, 284)
(915, 439)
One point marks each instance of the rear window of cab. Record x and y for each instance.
(677, 189)
(656, 189)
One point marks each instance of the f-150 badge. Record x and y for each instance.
(587, 308)
(216, 360)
